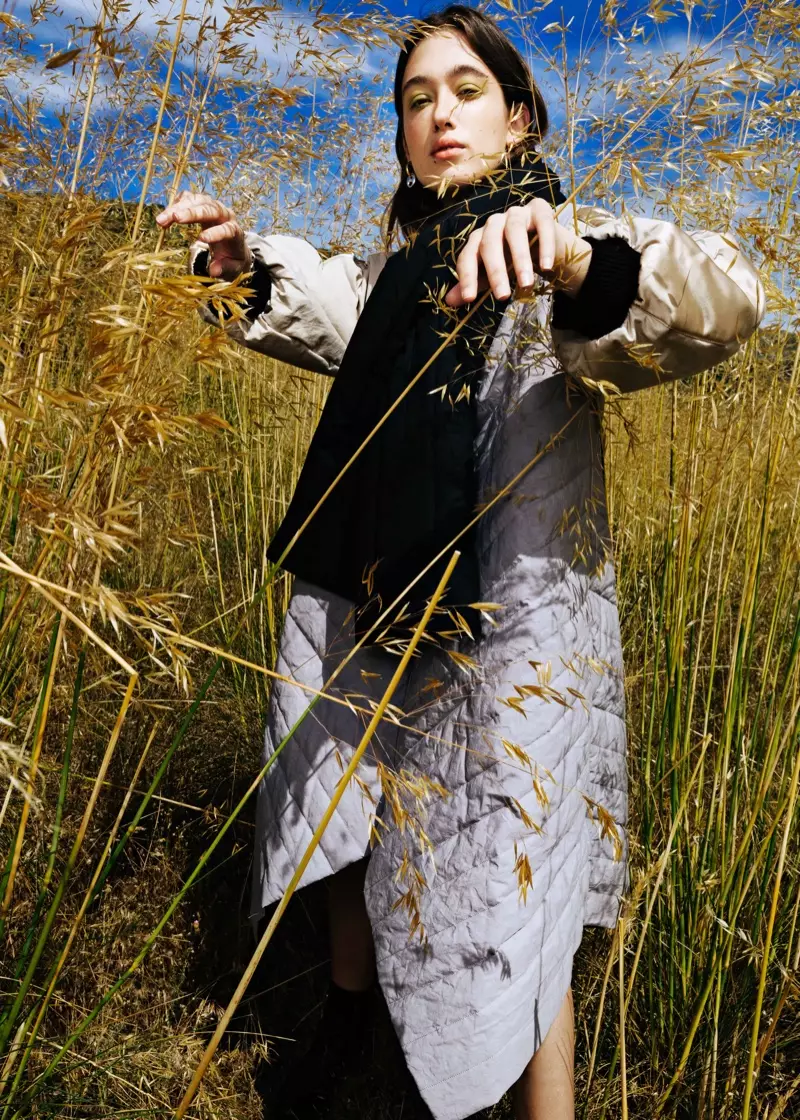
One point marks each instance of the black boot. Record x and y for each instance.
(341, 1048)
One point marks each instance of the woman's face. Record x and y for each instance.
(456, 123)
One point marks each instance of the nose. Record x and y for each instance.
(443, 111)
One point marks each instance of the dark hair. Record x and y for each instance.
(410, 204)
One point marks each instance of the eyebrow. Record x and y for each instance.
(456, 72)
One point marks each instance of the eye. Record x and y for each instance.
(468, 92)
(418, 102)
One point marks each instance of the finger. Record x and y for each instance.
(493, 255)
(225, 266)
(545, 226)
(194, 196)
(455, 297)
(201, 213)
(227, 231)
(519, 247)
(185, 198)
(165, 218)
(204, 213)
(467, 267)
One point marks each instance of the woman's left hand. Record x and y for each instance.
(557, 253)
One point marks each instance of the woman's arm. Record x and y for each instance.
(637, 302)
(304, 308)
(697, 300)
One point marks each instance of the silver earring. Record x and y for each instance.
(410, 177)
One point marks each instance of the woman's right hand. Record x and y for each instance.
(228, 251)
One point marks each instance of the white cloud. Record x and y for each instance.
(283, 43)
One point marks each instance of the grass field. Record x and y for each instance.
(145, 464)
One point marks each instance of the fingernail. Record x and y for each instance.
(503, 292)
(547, 263)
(525, 278)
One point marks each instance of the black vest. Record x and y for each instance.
(412, 488)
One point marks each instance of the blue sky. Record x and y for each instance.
(51, 36)
(572, 9)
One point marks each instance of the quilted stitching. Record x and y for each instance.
(552, 609)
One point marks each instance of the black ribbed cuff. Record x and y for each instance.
(260, 282)
(605, 297)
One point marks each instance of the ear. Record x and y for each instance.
(518, 123)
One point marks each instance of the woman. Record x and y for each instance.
(508, 753)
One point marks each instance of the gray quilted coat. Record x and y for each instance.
(505, 762)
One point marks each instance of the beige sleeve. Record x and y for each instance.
(313, 306)
(699, 299)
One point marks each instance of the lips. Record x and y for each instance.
(447, 151)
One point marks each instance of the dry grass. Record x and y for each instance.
(145, 464)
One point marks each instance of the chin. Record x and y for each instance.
(456, 175)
